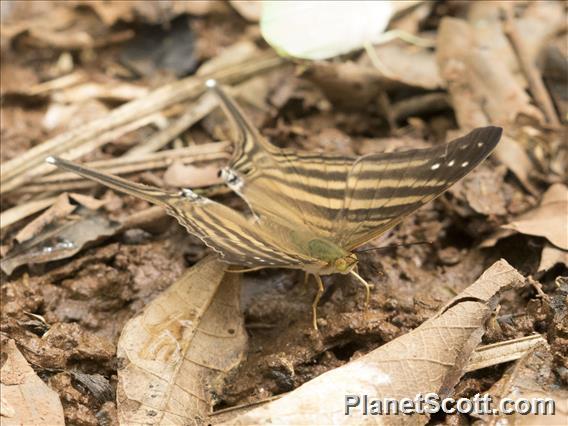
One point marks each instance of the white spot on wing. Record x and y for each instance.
(465, 163)
(479, 144)
(451, 163)
(188, 193)
(435, 166)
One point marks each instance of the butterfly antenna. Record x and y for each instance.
(393, 246)
(238, 271)
(367, 287)
(148, 193)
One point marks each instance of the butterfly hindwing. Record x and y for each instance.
(237, 239)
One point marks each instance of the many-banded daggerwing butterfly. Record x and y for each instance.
(310, 210)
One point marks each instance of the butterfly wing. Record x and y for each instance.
(234, 237)
(347, 200)
(382, 189)
(307, 189)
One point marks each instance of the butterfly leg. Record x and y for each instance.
(367, 288)
(316, 301)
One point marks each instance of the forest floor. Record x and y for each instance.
(112, 84)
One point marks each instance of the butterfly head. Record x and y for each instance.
(344, 264)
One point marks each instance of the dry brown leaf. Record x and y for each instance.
(531, 377)
(188, 176)
(551, 256)
(511, 153)
(549, 219)
(152, 12)
(482, 190)
(64, 240)
(86, 201)
(180, 347)
(501, 352)
(409, 65)
(60, 209)
(484, 89)
(26, 399)
(347, 84)
(16, 213)
(431, 358)
(248, 9)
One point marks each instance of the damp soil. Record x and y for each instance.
(66, 316)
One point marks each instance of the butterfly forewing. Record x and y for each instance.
(382, 189)
(303, 188)
(346, 200)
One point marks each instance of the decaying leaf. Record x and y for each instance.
(248, 9)
(548, 220)
(62, 241)
(409, 65)
(431, 358)
(482, 190)
(551, 256)
(180, 347)
(484, 89)
(531, 377)
(188, 176)
(60, 209)
(26, 399)
(501, 352)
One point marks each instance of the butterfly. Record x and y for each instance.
(309, 211)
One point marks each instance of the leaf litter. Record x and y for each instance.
(181, 346)
(68, 87)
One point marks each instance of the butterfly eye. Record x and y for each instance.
(340, 264)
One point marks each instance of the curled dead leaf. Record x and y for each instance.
(549, 219)
(431, 358)
(552, 256)
(180, 347)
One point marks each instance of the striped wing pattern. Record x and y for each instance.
(347, 200)
(234, 237)
(277, 183)
(298, 198)
(382, 189)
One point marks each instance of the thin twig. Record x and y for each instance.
(534, 79)
(20, 170)
(203, 106)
